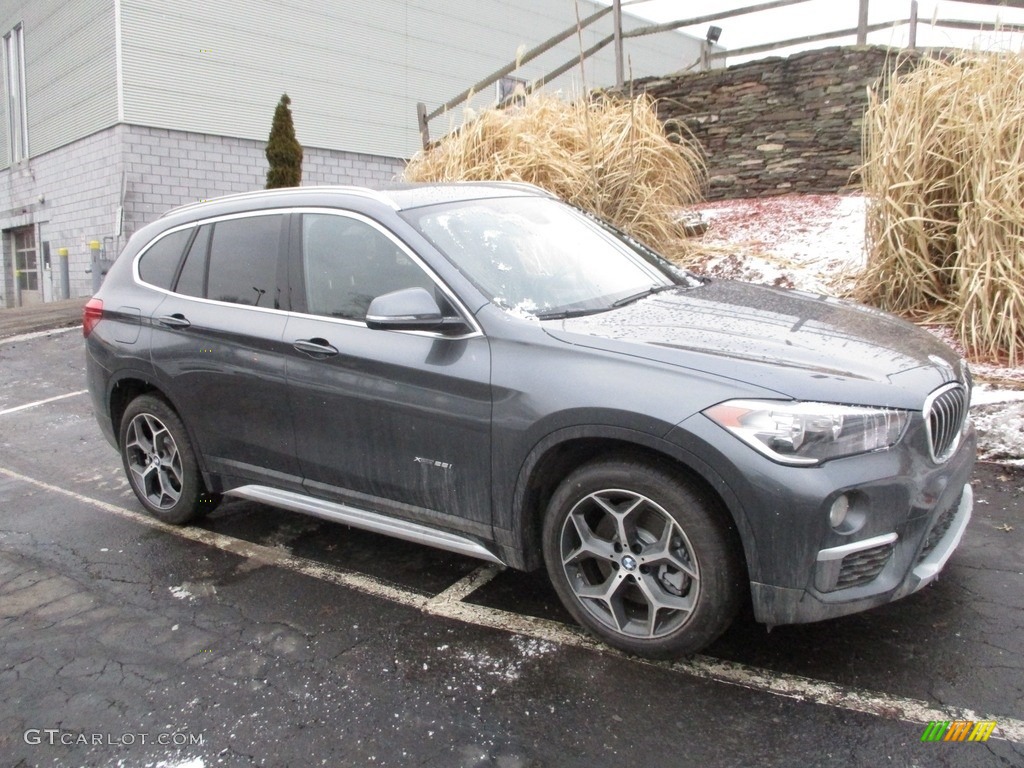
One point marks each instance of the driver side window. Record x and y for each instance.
(347, 263)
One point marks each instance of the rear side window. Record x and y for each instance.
(192, 281)
(243, 260)
(234, 260)
(160, 261)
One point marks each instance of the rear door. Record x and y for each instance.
(218, 348)
(386, 420)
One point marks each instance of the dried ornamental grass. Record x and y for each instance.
(944, 174)
(609, 156)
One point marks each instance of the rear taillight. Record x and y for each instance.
(91, 316)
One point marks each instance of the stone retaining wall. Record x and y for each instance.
(776, 125)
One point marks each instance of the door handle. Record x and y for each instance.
(316, 348)
(177, 320)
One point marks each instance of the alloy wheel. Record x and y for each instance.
(154, 460)
(629, 564)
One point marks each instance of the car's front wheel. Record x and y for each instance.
(642, 558)
(160, 463)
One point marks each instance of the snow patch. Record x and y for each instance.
(814, 243)
(983, 396)
(191, 762)
(481, 665)
(532, 648)
(1000, 429)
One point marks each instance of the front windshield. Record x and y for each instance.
(538, 256)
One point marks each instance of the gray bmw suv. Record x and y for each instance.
(485, 369)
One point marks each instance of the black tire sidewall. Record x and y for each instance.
(710, 532)
(190, 505)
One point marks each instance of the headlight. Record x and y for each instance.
(809, 433)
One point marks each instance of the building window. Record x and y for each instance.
(14, 85)
(506, 87)
(26, 261)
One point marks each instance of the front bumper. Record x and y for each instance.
(908, 515)
(883, 559)
(931, 563)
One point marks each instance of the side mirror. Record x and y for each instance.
(410, 309)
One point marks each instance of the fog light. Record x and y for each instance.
(837, 514)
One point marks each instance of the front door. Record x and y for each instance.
(27, 282)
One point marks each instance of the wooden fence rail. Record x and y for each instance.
(423, 117)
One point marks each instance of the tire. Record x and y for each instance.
(676, 585)
(160, 463)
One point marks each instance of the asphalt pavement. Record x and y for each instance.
(266, 638)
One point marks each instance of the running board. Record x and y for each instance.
(369, 521)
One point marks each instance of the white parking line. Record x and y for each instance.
(448, 604)
(43, 402)
(38, 334)
(467, 585)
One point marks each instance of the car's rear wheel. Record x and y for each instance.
(160, 463)
(645, 560)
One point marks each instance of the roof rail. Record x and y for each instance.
(347, 189)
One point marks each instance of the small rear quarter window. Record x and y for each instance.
(159, 262)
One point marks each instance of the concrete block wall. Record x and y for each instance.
(73, 194)
(169, 168)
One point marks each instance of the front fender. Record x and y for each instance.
(560, 451)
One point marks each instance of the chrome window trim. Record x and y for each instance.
(475, 331)
(138, 257)
(198, 223)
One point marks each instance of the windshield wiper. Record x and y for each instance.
(565, 314)
(642, 294)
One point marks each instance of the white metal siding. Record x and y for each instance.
(353, 70)
(5, 150)
(70, 73)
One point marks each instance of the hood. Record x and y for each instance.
(796, 344)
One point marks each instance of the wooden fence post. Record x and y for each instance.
(912, 41)
(421, 119)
